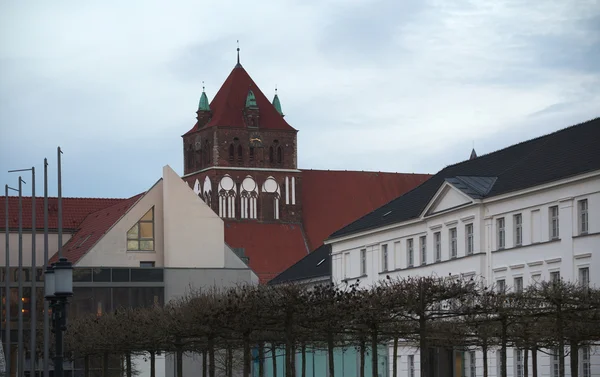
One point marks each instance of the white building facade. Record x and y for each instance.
(535, 233)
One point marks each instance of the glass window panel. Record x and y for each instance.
(146, 230)
(146, 296)
(147, 274)
(102, 274)
(120, 275)
(82, 274)
(82, 302)
(147, 245)
(25, 274)
(133, 245)
(133, 232)
(149, 216)
(102, 301)
(2, 274)
(120, 298)
(40, 274)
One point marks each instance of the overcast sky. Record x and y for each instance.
(406, 86)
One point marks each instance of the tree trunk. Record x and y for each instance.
(484, 349)
(534, 365)
(330, 351)
(86, 366)
(303, 350)
(153, 364)
(525, 362)
(574, 358)
(374, 361)
(128, 360)
(293, 359)
(211, 357)
(504, 340)
(288, 358)
(274, 358)
(561, 342)
(362, 358)
(179, 352)
(229, 362)
(204, 366)
(261, 359)
(105, 364)
(423, 346)
(247, 355)
(395, 361)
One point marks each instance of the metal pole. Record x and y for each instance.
(60, 244)
(33, 298)
(7, 279)
(20, 292)
(46, 304)
(58, 335)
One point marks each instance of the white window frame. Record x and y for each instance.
(472, 364)
(518, 360)
(582, 216)
(555, 276)
(410, 365)
(452, 232)
(518, 224)
(363, 262)
(384, 257)
(501, 286)
(554, 363)
(346, 265)
(423, 248)
(410, 253)
(518, 284)
(585, 362)
(437, 239)
(584, 276)
(554, 224)
(470, 244)
(500, 233)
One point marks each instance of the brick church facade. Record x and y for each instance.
(241, 158)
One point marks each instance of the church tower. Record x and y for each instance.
(241, 155)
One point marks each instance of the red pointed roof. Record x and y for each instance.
(333, 199)
(74, 211)
(228, 105)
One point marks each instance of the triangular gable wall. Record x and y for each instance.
(447, 197)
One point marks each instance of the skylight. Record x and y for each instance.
(322, 260)
(387, 213)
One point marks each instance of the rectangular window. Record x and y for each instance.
(384, 257)
(554, 366)
(500, 234)
(519, 362)
(438, 246)
(453, 246)
(584, 277)
(472, 364)
(582, 207)
(499, 362)
(554, 222)
(469, 241)
(146, 264)
(411, 366)
(363, 262)
(347, 265)
(536, 226)
(518, 221)
(501, 286)
(586, 366)
(423, 246)
(555, 276)
(410, 252)
(518, 286)
(536, 278)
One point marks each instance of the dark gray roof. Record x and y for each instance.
(315, 265)
(566, 153)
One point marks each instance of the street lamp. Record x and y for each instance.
(58, 286)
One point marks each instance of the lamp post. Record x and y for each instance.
(58, 284)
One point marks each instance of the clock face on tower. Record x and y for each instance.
(255, 140)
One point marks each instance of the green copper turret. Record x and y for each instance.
(251, 100)
(277, 104)
(203, 105)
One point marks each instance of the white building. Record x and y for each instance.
(526, 213)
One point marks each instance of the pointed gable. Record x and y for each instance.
(447, 197)
(228, 105)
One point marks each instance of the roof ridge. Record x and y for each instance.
(522, 142)
(64, 197)
(364, 171)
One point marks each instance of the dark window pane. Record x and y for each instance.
(146, 296)
(146, 264)
(101, 274)
(147, 274)
(102, 301)
(82, 302)
(120, 298)
(40, 274)
(25, 274)
(2, 274)
(82, 274)
(120, 275)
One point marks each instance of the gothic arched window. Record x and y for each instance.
(248, 194)
(207, 152)
(231, 152)
(227, 194)
(279, 155)
(251, 151)
(240, 154)
(271, 159)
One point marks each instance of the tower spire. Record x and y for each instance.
(238, 65)
(277, 103)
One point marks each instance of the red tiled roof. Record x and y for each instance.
(333, 199)
(271, 247)
(93, 227)
(229, 102)
(74, 211)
